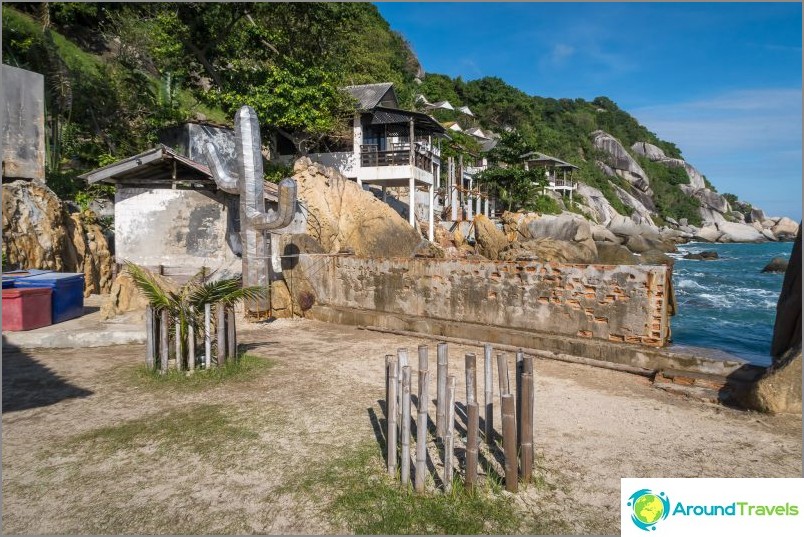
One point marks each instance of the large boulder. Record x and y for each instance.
(785, 229)
(490, 240)
(549, 250)
(756, 215)
(625, 227)
(787, 328)
(615, 254)
(620, 160)
(650, 151)
(599, 207)
(293, 295)
(778, 390)
(564, 227)
(125, 297)
(737, 232)
(639, 244)
(343, 215)
(602, 234)
(642, 213)
(707, 234)
(777, 264)
(39, 233)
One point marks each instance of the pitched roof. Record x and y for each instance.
(369, 95)
(546, 160)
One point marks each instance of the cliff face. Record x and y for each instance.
(719, 220)
(38, 232)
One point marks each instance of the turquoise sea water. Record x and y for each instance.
(728, 304)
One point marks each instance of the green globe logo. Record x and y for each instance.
(648, 508)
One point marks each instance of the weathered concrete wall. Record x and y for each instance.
(23, 124)
(174, 228)
(612, 303)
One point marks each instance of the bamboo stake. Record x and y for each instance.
(520, 364)
(390, 434)
(423, 358)
(502, 373)
(191, 343)
(509, 441)
(230, 336)
(527, 427)
(402, 361)
(441, 389)
(389, 361)
(473, 426)
(471, 376)
(219, 311)
(449, 441)
(489, 394)
(207, 335)
(164, 338)
(421, 431)
(177, 329)
(150, 344)
(405, 466)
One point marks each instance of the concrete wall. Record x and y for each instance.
(612, 303)
(23, 124)
(174, 228)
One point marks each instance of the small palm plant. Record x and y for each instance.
(186, 305)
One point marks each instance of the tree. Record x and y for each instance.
(507, 178)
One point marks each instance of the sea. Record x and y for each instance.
(728, 304)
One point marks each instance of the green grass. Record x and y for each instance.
(202, 430)
(247, 368)
(367, 501)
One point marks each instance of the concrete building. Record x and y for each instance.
(557, 172)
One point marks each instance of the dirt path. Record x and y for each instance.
(87, 448)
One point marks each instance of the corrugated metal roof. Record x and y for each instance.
(368, 95)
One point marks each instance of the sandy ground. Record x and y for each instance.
(321, 398)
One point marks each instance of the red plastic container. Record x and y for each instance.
(26, 308)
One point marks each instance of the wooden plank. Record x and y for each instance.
(502, 373)
(488, 377)
(441, 389)
(391, 418)
(421, 431)
(527, 427)
(405, 466)
(473, 426)
(509, 441)
(449, 433)
(471, 377)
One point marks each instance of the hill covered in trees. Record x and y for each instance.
(116, 73)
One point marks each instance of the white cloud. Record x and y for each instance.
(561, 52)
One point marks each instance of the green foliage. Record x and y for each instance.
(670, 200)
(708, 184)
(275, 172)
(731, 198)
(246, 367)
(542, 204)
(593, 176)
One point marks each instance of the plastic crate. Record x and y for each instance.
(67, 301)
(26, 308)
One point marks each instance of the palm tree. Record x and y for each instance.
(185, 305)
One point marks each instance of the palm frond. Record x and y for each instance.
(147, 284)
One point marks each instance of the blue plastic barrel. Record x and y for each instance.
(67, 301)
(8, 283)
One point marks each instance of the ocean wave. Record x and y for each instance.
(688, 284)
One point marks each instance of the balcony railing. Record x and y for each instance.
(370, 156)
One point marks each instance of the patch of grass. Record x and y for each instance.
(248, 367)
(366, 501)
(202, 430)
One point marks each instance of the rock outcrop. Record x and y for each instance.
(39, 233)
(737, 232)
(787, 329)
(548, 250)
(599, 207)
(620, 161)
(490, 240)
(777, 264)
(785, 229)
(566, 227)
(342, 215)
(655, 154)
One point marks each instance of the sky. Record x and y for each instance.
(720, 80)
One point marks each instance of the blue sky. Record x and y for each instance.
(721, 80)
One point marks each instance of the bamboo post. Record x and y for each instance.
(509, 441)
(230, 336)
(502, 373)
(191, 343)
(471, 375)
(441, 389)
(527, 427)
(150, 344)
(520, 364)
(207, 335)
(402, 361)
(405, 466)
(390, 434)
(423, 358)
(449, 440)
(164, 338)
(489, 394)
(389, 361)
(221, 319)
(177, 329)
(473, 426)
(421, 430)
